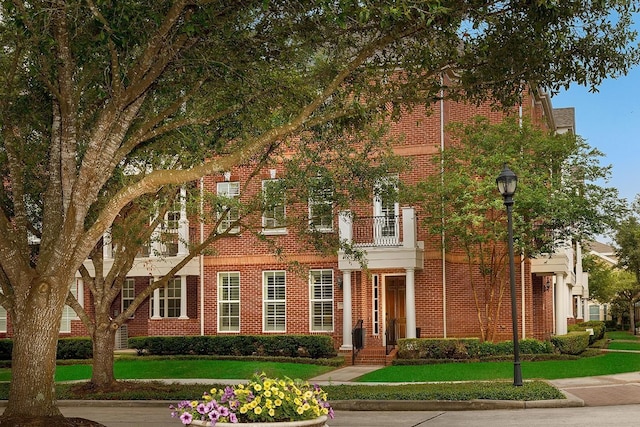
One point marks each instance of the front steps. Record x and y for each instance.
(371, 356)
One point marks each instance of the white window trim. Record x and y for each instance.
(219, 277)
(279, 301)
(313, 300)
(154, 302)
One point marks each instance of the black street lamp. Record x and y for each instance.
(507, 183)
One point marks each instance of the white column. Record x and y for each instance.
(561, 293)
(579, 306)
(410, 303)
(107, 245)
(183, 297)
(156, 303)
(347, 343)
(409, 228)
(345, 226)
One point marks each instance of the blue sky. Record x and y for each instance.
(610, 121)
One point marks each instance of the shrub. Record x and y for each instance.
(465, 348)
(311, 346)
(6, 347)
(598, 327)
(75, 348)
(572, 343)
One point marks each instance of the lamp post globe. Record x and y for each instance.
(507, 183)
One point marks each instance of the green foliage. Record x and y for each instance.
(599, 329)
(465, 348)
(6, 346)
(68, 349)
(571, 343)
(75, 348)
(531, 390)
(309, 346)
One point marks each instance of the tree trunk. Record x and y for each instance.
(32, 390)
(632, 317)
(103, 346)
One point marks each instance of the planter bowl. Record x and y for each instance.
(316, 422)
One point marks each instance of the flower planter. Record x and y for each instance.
(316, 422)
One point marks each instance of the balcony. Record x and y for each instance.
(388, 241)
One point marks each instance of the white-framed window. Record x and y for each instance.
(274, 210)
(228, 301)
(3, 319)
(68, 314)
(321, 300)
(170, 296)
(230, 214)
(274, 301)
(127, 294)
(321, 210)
(170, 231)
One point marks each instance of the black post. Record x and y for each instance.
(517, 370)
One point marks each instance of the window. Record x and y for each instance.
(230, 214)
(228, 302)
(170, 228)
(274, 213)
(128, 293)
(321, 300)
(3, 319)
(274, 301)
(375, 284)
(321, 209)
(67, 313)
(169, 299)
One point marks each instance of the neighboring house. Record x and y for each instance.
(411, 288)
(604, 253)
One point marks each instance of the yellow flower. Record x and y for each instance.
(300, 410)
(267, 393)
(272, 412)
(297, 401)
(244, 409)
(257, 410)
(307, 394)
(278, 402)
(194, 403)
(305, 407)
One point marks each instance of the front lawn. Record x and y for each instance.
(605, 364)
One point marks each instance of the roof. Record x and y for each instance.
(565, 118)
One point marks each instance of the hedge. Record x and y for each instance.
(68, 348)
(571, 343)
(310, 346)
(465, 348)
(599, 329)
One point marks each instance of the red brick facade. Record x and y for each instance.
(443, 302)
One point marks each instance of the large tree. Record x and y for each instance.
(103, 102)
(558, 200)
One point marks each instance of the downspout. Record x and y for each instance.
(201, 256)
(522, 273)
(442, 237)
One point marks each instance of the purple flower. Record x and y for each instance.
(202, 408)
(186, 418)
(232, 418)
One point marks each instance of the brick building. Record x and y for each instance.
(411, 288)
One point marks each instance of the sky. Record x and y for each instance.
(610, 121)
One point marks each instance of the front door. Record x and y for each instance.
(395, 317)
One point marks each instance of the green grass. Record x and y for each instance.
(605, 364)
(189, 368)
(621, 335)
(624, 345)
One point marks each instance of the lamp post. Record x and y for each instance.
(507, 183)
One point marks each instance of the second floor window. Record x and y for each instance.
(274, 212)
(230, 214)
(321, 209)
